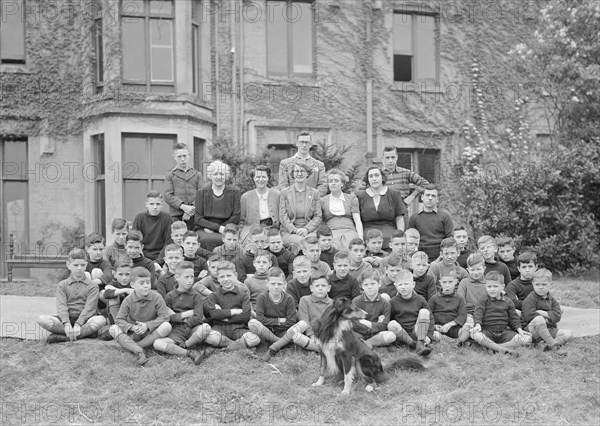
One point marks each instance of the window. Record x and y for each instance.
(424, 162)
(14, 198)
(99, 177)
(279, 152)
(146, 160)
(97, 43)
(12, 31)
(148, 48)
(199, 156)
(415, 53)
(201, 66)
(290, 38)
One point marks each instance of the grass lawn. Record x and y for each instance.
(93, 381)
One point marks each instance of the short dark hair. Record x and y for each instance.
(366, 176)
(154, 194)
(527, 257)
(119, 223)
(448, 243)
(179, 145)
(398, 233)
(193, 234)
(182, 266)
(126, 263)
(275, 272)
(389, 148)
(77, 254)
(369, 274)
(273, 232)
(310, 239)
(505, 241)
(432, 187)
(356, 242)
(494, 276)
(139, 272)
(261, 168)
(134, 235)
(94, 238)
(340, 255)
(304, 133)
(173, 247)
(372, 234)
(393, 260)
(226, 265)
(231, 228)
(324, 231)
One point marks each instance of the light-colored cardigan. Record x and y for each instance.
(287, 208)
(249, 215)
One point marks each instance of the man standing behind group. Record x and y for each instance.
(399, 178)
(317, 178)
(181, 185)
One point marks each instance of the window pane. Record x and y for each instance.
(428, 165)
(98, 147)
(277, 38)
(195, 61)
(101, 207)
(135, 153)
(12, 32)
(14, 161)
(425, 67)
(402, 68)
(197, 11)
(402, 33)
(161, 49)
(15, 213)
(162, 156)
(133, 50)
(161, 7)
(301, 37)
(405, 160)
(134, 197)
(199, 145)
(99, 51)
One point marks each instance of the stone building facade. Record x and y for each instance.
(95, 93)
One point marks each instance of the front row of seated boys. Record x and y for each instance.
(220, 312)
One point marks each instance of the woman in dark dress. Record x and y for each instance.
(380, 207)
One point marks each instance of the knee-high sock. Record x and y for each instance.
(128, 344)
(169, 347)
(198, 336)
(563, 336)
(260, 330)
(484, 341)
(400, 333)
(298, 328)
(516, 342)
(539, 329)
(305, 342)
(92, 325)
(162, 330)
(52, 324)
(383, 338)
(422, 325)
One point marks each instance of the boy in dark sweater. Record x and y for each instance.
(424, 283)
(411, 320)
(285, 257)
(374, 252)
(387, 287)
(98, 268)
(462, 240)
(167, 282)
(449, 310)
(374, 327)
(518, 290)
(325, 239)
(541, 314)
(115, 292)
(497, 324)
(190, 246)
(275, 312)
(472, 289)
(257, 282)
(299, 286)
(142, 319)
(187, 320)
(76, 300)
(506, 252)
(154, 224)
(116, 252)
(230, 250)
(341, 282)
(134, 248)
(257, 240)
(488, 248)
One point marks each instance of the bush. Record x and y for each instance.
(332, 157)
(551, 207)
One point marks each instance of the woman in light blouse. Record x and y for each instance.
(340, 211)
(259, 206)
(299, 207)
(380, 207)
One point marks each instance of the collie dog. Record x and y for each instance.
(343, 351)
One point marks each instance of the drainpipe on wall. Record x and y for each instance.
(234, 112)
(216, 81)
(369, 84)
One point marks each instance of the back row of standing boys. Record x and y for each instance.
(234, 297)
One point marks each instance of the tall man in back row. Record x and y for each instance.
(399, 178)
(317, 178)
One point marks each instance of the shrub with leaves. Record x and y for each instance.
(333, 157)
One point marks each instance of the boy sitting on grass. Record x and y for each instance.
(187, 318)
(312, 250)
(118, 289)
(310, 310)
(449, 310)
(356, 254)
(374, 328)
(497, 324)
(285, 257)
(472, 289)
(167, 282)
(257, 282)
(299, 286)
(506, 253)
(411, 320)
(76, 300)
(275, 312)
(116, 252)
(328, 251)
(142, 319)
(230, 249)
(541, 315)
(342, 283)
(374, 252)
(229, 309)
(393, 266)
(424, 283)
(518, 289)
(488, 248)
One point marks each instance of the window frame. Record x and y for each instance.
(14, 61)
(414, 16)
(148, 84)
(98, 150)
(289, 42)
(416, 154)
